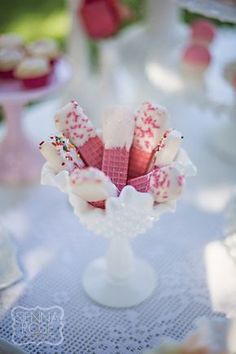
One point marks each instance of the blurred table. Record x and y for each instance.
(54, 250)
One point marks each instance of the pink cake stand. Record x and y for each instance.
(20, 161)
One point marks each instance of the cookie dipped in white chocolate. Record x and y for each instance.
(92, 185)
(150, 124)
(166, 183)
(168, 149)
(60, 154)
(117, 128)
(72, 122)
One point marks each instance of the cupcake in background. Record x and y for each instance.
(11, 40)
(195, 60)
(196, 55)
(9, 59)
(46, 48)
(33, 72)
(203, 32)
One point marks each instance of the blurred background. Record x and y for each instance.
(50, 18)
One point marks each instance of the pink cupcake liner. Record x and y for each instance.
(36, 82)
(7, 75)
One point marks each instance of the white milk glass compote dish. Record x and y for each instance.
(118, 185)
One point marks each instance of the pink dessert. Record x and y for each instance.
(33, 72)
(196, 59)
(203, 32)
(150, 125)
(36, 82)
(9, 59)
(46, 48)
(118, 132)
(72, 122)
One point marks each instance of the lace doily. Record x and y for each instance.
(54, 250)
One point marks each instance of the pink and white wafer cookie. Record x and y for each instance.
(60, 154)
(71, 121)
(92, 185)
(165, 183)
(150, 125)
(141, 183)
(118, 131)
(168, 149)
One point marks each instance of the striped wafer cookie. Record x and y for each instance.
(115, 165)
(165, 183)
(139, 162)
(118, 128)
(75, 125)
(150, 125)
(168, 149)
(92, 185)
(60, 154)
(141, 183)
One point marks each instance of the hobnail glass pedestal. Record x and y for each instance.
(120, 279)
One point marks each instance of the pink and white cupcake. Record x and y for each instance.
(33, 72)
(10, 40)
(203, 32)
(9, 59)
(195, 60)
(46, 48)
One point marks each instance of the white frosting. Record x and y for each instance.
(166, 184)
(92, 185)
(169, 149)
(32, 67)
(53, 157)
(9, 40)
(10, 57)
(118, 128)
(151, 122)
(60, 154)
(44, 47)
(71, 121)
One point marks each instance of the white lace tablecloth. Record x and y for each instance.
(54, 250)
